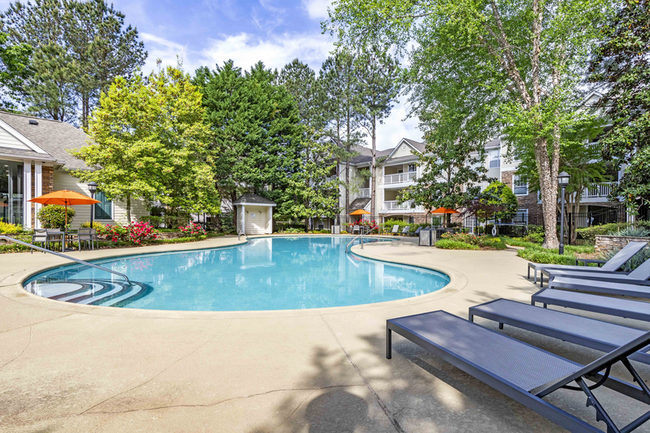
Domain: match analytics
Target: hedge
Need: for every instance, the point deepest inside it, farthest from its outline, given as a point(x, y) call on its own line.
point(447, 244)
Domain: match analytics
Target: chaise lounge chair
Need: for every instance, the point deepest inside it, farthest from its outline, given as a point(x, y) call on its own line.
point(592, 333)
point(417, 231)
point(405, 231)
point(612, 265)
point(594, 303)
point(395, 229)
point(604, 287)
point(640, 275)
point(523, 372)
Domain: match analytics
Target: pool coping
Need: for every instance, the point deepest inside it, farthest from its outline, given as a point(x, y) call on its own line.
point(15, 291)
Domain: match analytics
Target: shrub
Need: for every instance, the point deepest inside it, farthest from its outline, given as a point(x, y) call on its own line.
point(193, 229)
point(492, 243)
point(637, 232)
point(173, 222)
point(589, 233)
point(101, 228)
point(634, 262)
point(10, 229)
point(53, 216)
point(448, 244)
point(134, 232)
point(519, 242)
point(461, 237)
point(546, 256)
point(388, 225)
point(535, 237)
point(292, 230)
point(154, 220)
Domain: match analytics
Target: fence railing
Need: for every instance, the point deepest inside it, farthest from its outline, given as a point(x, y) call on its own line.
point(393, 205)
point(392, 179)
point(599, 191)
point(364, 193)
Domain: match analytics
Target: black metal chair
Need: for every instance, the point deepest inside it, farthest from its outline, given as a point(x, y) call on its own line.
point(87, 235)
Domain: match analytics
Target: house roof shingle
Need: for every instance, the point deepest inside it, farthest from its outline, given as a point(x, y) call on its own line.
point(253, 199)
point(54, 137)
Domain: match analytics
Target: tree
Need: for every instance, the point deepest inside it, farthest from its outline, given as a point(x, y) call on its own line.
point(14, 71)
point(622, 64)
point(338, 87)
point(377, 81)
point(90, 34)
point(496, 202)
point(529, 55)
point(301, 83)
point(151, 143)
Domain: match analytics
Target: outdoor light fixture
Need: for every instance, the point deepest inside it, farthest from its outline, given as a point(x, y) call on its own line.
point(562, 180)
point(92, 188)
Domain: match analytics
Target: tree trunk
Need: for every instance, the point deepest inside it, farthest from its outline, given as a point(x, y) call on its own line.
point(548, 191)
point(128, 207)
point(373, 186)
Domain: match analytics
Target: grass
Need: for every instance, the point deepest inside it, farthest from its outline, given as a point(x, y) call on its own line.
point(538, 254)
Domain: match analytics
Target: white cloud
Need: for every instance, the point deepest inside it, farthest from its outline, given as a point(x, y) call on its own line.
point(275, 51)
point(167, 51)
point(394, 128)
point(317, 9)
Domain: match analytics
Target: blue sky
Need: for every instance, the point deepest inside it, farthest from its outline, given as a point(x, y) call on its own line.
point(207, 32)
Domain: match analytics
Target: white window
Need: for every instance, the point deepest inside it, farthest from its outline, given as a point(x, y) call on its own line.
point(494, 156)
point(519, 187)
point(521, 217)
point(411, 167)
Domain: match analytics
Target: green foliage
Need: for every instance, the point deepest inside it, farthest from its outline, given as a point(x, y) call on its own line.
point(79, 47)
point(637, 232)
point(519, 242)
point(448, 244)
point(155, 221)
point(387, 226)
point(537, 254)
point(53, 216)
point(537, 238)
point(14, 70)
point(97, 226)
point(150, 142)
point(636, 261)
point(589, 233)
point(10, 229)
point(292, 230)
point(497, 201)
point(622, 66)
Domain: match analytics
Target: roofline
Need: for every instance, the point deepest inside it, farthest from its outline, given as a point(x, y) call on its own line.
point(403, 140)
point(254, 204)
point(21, 138)
point(37, 157)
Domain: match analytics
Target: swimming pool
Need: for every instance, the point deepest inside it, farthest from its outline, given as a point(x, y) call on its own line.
point(278, 273)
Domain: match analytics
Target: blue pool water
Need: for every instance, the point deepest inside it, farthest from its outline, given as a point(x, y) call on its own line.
point(278, 273)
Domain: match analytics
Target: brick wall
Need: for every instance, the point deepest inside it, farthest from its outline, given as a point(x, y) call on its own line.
point(48, 180)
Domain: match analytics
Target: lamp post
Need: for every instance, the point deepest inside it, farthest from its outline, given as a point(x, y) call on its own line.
point(92, 188)
point(563, 181)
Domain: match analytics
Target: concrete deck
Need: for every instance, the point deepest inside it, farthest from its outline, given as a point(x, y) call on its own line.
point(77, 368)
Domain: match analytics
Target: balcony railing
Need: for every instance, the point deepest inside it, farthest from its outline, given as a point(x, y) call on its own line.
point(393, 205)
point(393, 179)
point(364, 193)
point(599, 191)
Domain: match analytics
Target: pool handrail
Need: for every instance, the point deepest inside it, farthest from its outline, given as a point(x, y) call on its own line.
point(65, 256)
point(347, 248)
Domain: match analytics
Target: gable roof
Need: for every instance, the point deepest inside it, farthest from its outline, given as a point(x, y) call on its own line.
point(253, 199)
point(52, 136)
point(365, 154)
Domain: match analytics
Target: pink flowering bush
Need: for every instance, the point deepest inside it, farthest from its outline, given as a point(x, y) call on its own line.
point(467, 238)
point(134, 232)
point(193, 229)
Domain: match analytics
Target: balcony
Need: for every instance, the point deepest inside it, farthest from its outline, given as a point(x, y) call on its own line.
point(364, 193)
point(598, 191)
point(394, 205)
point(399, 178)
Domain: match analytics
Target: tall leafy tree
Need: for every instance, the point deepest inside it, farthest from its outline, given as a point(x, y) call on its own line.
point(338, 87)
point(529, 55)
point(301, 83)
point(92, 34)
point(376, 73)
point(14, 71)
point(150, 142)
point(622, 65)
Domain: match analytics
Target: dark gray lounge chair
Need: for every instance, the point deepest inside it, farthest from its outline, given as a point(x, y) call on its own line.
point(594, 303)
point(523, 372)
point(604, 287)
point(596, 334)
point(417, 231)
point(640, 275)
point(612, 265)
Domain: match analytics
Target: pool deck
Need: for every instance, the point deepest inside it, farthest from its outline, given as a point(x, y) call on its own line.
point(75, 368)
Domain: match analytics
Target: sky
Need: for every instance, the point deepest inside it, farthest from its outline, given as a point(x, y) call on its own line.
point(210, 32)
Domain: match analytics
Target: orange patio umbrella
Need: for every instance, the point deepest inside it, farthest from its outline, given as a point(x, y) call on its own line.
point(360, 212)
point(64, 198)
point(444, 210)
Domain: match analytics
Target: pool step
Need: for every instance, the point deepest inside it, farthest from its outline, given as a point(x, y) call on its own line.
point(91, 292)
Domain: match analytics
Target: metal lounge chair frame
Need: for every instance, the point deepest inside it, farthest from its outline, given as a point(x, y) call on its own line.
point(612, 265)
point(640, 275)
point(405, 231)
point(533, 397)
point(605, 287)
point(626, 308)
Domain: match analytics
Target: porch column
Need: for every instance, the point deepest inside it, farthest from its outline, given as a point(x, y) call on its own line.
point(38, 191)
point(27, 194)
point(243, 219)
point(270, 220)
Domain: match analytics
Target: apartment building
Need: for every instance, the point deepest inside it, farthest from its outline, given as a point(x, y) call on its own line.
point(397, 170)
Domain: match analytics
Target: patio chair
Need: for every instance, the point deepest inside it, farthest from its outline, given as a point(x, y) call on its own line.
point(640, 275)
point(417, 231)
point(523, 372)
point(395, 229)
point(87, 235)
point(405, 231)
point(356, 229)
point(612, 265)
point(39, 236)
point(597, 304)
point(54, 236)
point(584, 331)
